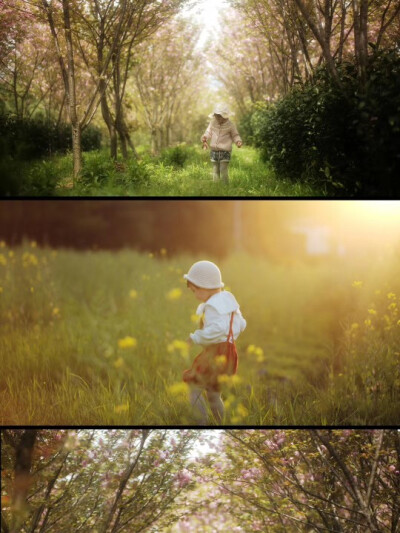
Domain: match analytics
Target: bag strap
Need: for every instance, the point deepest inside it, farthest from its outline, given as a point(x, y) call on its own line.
point(230, 334)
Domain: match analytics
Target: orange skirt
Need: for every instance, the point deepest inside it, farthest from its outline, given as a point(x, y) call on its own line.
point(214, 361)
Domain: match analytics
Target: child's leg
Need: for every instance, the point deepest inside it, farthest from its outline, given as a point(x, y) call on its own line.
point(216, 405)
point(224, 171)
point(215, 170)
point(199, 405)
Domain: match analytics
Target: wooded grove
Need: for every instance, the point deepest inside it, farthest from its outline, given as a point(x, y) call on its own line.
point(190, 480)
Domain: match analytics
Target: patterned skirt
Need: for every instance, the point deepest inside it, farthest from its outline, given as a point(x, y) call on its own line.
point(212, 362)
point(217, 156)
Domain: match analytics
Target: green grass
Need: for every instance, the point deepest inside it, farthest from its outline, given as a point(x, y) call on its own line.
point(63, 313)
point(160, 176)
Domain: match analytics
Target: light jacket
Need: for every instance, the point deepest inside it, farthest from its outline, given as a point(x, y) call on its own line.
point(221, 136)
point(217, 315)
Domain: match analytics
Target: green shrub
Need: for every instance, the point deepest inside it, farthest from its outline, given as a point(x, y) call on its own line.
point(27, 139)
point(246, 126)
point(41, 179)
point(98, 168)
point(175, 156)
point(11, 177)
point(132, 173)
point(91, 139)
point(29, 179)
point(338, 135)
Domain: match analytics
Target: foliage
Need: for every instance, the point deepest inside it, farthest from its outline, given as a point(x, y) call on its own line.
point(186, 481)
point(166, 88)
point(314, 480)
point(27, 139)
point(152, 177)
point(176, 156)
point(302, 361)
point(28, 179)
point(335, 135)
point(106, 481)
point(97, 169)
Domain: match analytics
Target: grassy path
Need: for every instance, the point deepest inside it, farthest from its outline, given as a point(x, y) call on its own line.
point(249, 176)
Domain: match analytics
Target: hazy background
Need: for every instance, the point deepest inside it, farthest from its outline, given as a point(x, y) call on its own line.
point(279, 230)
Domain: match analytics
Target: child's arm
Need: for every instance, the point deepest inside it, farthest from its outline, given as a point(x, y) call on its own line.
point(214, 329)
point(236, 137)
point(206, 137)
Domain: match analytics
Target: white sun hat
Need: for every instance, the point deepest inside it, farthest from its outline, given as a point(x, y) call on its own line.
point(205, 274)
point(221, 109)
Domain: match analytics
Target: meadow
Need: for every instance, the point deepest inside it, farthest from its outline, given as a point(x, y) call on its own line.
point(183, 170)
point(96, 338)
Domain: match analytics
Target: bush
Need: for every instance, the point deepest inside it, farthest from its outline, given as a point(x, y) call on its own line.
point(97, 169)
point(132, 172)
point(27, 139)
point(37, 179)
point(246, 126)
point(338, 135)
point(175, 156)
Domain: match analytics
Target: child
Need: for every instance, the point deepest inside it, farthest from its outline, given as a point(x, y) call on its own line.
point(221, 132)
point(221, 324)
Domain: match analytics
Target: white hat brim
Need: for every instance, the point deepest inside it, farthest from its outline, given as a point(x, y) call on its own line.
point(186, 276)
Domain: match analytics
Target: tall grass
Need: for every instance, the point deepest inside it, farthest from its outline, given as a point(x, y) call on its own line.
point(88, 338)
point(183, 171)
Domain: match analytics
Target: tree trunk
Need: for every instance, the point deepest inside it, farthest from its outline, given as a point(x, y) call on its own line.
point(72, 103)
point(77, 149)
point(105, 111)
point(111, 518)
point(22, 480)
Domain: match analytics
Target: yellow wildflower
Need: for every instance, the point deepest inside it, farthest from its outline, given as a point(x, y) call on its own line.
point(392, 306)
point(56, 311)
point(372, 311)
point(368, 322)
point(229, 381)
point(179, 346)
point(163, 252)
point(354, 326)
point(251, 349)
point(121, 408)
point(29, 259)
point(229, 401)
point(3, 260)
point(178, 389)
point(119, 362)
point(127, 342)
point(220, 360)
point(32, 289)
point(391, 296)
point(195, 318)
point(133, 294)
point(174, 294)
point(242, 411)
point(10, 254)
point(357, 284)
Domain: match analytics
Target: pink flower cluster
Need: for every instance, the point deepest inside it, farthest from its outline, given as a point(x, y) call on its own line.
point(183, 478)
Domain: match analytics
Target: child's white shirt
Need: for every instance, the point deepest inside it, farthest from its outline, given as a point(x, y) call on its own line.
point(217, 316)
